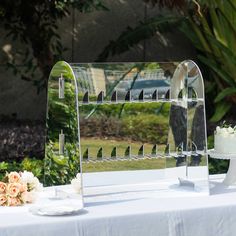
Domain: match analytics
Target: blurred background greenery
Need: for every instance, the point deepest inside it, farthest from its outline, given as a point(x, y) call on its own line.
point(36, 34)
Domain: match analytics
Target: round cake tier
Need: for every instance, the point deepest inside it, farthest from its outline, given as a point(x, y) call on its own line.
point(214, 154)
point(225, 143)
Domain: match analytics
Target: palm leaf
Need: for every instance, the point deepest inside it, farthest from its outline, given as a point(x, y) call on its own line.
point(215, 67)
point(221, 110)
point(132, 36)
point(226, 92)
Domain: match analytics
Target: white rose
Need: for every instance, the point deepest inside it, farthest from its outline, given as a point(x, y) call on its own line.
point(218, 129)
point(76, 183)
point(36, 185)
point(230, 130)
point(31, 181)
point(224, 131)
point(78, 176)
point(26, 177)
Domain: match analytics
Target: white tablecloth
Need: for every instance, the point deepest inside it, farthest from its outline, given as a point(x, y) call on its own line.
point(112, 211)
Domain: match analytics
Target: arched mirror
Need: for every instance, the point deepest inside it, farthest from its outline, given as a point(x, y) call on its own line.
point(187, 138)
point(62, 151)
point(129, 125)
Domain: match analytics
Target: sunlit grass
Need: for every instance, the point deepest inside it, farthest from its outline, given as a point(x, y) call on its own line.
point(146, 164)
point(108, 144)
point(139, 164)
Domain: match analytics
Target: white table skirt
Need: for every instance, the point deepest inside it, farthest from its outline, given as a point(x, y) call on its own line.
point(131, 214)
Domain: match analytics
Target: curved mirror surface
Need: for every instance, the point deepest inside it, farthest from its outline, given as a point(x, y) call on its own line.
point(128, 124)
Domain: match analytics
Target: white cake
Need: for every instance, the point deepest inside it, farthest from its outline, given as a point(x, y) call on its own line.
point(225, 140)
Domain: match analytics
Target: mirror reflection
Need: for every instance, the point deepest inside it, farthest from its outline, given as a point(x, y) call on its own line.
point(122, 124)
point(62, 161)
point(119, 117)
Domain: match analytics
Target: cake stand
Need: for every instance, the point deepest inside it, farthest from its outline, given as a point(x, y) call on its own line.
point(230, 177)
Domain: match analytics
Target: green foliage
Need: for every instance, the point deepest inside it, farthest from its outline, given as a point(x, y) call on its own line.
point(152, 108)
point(214, 35)
point(62, 117)
point(8, 167)
point(3, 168)
point(132, 36)
point(218, 166)
point(177, 4)
point(210, 25)
point(224, 93)
point(30, 164)
point(35, 23)
point(62, 114)
point(128, 109)
point(146, 128)
point(138, 121)
point(60, 169)
point(33, 165)
point(221, 109)
point(126, 165)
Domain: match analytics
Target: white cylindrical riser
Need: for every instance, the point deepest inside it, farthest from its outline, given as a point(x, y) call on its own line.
point(230, 178)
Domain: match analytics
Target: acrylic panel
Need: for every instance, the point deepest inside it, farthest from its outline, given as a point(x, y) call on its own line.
point(62, 155)
point(124, 115)
point(128, 124)
point(187, 143)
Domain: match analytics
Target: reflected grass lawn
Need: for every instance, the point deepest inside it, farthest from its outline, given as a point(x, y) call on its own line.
point(138, 164)
point(108, 144)
point(146, 164)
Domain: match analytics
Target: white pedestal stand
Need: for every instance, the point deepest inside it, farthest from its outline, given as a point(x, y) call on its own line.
point(230, 177)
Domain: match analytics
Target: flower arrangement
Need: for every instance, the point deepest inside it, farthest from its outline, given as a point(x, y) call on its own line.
point(18, 188)
point(225, 129)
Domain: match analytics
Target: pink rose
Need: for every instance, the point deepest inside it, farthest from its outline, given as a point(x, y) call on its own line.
point(27, 197)
point(13, 177)
point(23, 188)
point(13, 189)
point(3, 187)
point(13, 201)
point(3, 199)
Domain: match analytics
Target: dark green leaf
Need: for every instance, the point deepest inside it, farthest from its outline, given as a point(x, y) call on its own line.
point(226, 92)
point(221, 109)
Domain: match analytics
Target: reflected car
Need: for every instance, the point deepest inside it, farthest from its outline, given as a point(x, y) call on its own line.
point(148, 87)
point(122, 88)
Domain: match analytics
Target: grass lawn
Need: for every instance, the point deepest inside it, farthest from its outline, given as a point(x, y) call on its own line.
point(137, 164)
point(108, 144)
point(146, 164)
point(95, 144)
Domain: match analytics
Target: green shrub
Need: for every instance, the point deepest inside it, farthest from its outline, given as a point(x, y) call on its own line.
point(59, 169)
point(33, 165)
point(29, 164)
point(146, 128)
point(144, 108)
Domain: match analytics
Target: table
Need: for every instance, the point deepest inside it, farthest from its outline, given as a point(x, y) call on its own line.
point(128, 214)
